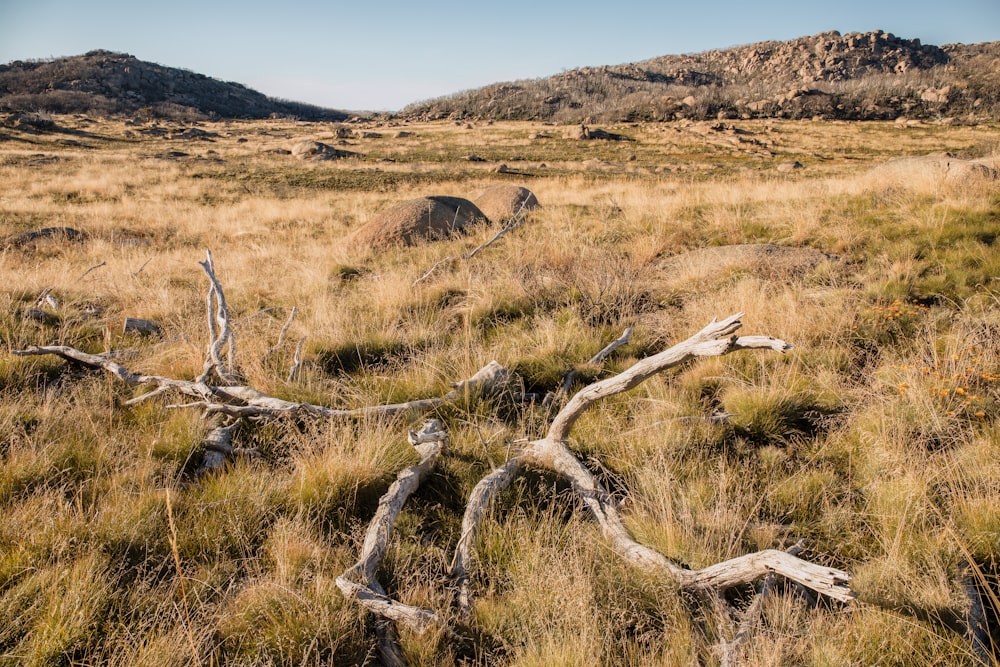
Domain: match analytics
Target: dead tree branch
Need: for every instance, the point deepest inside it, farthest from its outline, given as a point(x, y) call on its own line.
point(551, 452)
point(516, 221)
point(360, 581)
point(729, 650)
point(220, 332)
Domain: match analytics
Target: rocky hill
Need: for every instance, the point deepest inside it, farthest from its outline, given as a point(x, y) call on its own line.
point(873, 75)
point(107, 83)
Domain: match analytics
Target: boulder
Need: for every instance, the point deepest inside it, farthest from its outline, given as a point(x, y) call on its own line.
point(790, 165)
point(418, 220)
point(941, 167)
point(763, 260)
point(315, 150)
point(500, 203)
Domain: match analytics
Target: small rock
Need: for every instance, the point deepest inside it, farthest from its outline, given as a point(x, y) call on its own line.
point(790, 165)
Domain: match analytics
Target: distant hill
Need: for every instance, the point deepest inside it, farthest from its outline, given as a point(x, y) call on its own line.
point(872, 75)
point(108, 83)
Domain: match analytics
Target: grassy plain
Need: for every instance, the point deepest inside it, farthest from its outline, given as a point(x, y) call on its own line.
point(875, 439)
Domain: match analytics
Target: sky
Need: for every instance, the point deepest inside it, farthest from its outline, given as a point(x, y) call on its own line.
point(383, 55)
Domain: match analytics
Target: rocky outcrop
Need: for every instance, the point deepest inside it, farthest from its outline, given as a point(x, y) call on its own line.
point(316, 150)
point(939, 167)
point(873, 75)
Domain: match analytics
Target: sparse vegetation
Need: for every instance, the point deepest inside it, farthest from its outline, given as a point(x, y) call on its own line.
point(874, 440)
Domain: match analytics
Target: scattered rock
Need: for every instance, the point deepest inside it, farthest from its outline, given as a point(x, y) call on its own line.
point(936, 95)
point(502, 169)
point(54, 233)
point(403, 134)
point(193, 133)
point(418, 220)
point(763, 260)
point(315, 150)
point(790, 165)
point(32, 122)
point(141, 327)
point(940, 166)
point(371, 135)
point(475, 158)
point(500, 203)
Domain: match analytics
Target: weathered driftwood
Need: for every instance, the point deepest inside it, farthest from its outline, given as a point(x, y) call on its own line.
point(220, 333)
point(359, 581)
point(234, 401)
point(243, 401)
point(718, 338)
point(296, 360)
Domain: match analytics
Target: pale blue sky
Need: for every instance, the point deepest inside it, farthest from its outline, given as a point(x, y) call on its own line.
point(384, 55)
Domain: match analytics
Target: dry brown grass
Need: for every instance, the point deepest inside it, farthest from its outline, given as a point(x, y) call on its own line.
point(897, 485)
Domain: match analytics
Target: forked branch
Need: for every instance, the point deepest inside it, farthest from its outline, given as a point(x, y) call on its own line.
point(716, 339)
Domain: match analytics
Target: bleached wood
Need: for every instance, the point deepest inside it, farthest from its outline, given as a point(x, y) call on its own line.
point(729, 649)
point(596, 359)
point(359, 581)
point(220, 333)
point(717, 338)
point(714, 340)
point(479, 502)
point(296, 360)
point(611, 347)
point(242, 401)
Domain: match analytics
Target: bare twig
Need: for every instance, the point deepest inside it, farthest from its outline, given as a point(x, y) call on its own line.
point(516, 221)
point(284, 330)
point(95, 266)
point(595, 360)
point(296, 360)
point(141, 267)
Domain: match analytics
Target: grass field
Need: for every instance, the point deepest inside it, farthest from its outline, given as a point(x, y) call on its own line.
point(875, 439)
